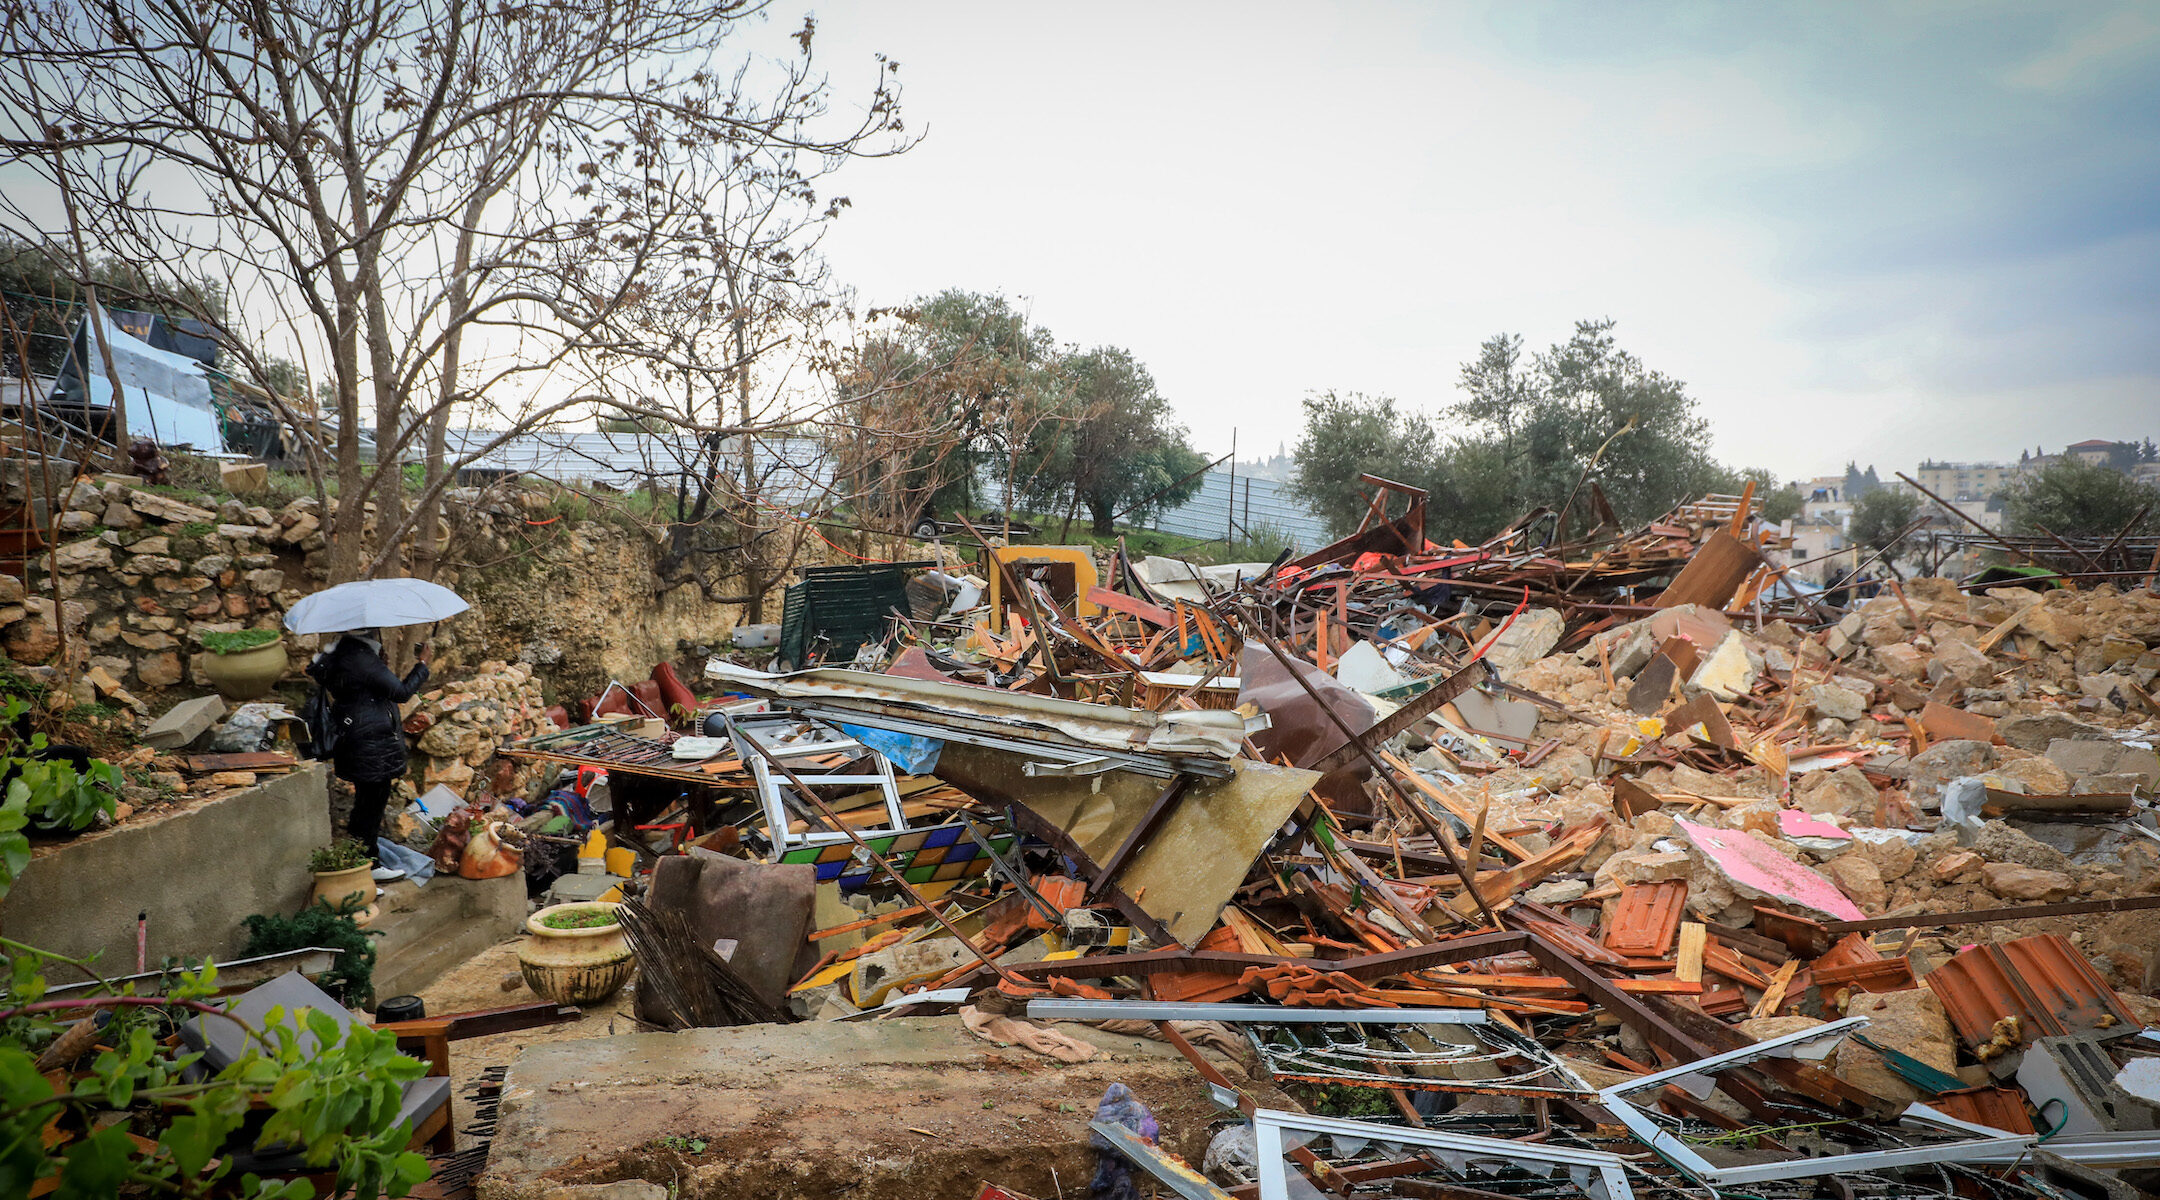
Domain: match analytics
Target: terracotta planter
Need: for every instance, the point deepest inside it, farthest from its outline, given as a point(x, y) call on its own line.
point(335, 888)
point(248, 675)
point(575, 966)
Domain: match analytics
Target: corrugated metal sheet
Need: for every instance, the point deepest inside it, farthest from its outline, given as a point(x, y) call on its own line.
point(1248, 501)
point(793, 472)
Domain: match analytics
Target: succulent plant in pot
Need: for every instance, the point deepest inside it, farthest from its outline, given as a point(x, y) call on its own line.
point(344, 870)
point(244, 664)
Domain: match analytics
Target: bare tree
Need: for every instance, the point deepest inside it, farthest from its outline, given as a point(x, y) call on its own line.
point(450, 213)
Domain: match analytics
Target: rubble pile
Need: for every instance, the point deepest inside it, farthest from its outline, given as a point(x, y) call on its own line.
point(458, 728)
point(1708, 884)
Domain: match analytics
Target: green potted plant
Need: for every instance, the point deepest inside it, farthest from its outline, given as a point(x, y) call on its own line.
point(344, 871)
point(244, 664)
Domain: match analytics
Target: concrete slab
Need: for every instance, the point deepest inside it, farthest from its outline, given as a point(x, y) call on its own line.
point(906, 1109)
point(184, 722)
point(196, 871)
point(427, 930)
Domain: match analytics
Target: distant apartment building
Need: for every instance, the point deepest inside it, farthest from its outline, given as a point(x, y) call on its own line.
point(1823, 499)
point(2093, 452)
point(1966, 481)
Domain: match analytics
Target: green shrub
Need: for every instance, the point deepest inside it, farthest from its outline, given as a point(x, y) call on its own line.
point(341, 855)
point(237, 641)
point(351, 977)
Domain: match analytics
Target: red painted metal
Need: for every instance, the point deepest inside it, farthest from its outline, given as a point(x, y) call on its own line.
point(1646, 921)
point(2041, 980)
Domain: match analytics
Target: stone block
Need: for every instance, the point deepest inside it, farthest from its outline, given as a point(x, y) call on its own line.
point(167, 509)
point(184, 722)
point(1944, 761)
point(1902, 660)
point(2027, 884)
point(2079, 759)
point(1830, 700)
point(244, 479)
point(160, 669)
point(89, 555)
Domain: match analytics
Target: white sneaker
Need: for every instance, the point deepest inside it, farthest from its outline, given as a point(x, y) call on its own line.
point(388, 874)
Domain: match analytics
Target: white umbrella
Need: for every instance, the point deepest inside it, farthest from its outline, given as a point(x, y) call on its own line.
point(374, 604)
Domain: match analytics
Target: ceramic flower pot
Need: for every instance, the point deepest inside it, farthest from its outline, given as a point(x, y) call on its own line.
point(336, 888)
point(249, 674)
point(575, 966)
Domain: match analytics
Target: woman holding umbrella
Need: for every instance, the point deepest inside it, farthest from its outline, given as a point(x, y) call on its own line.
point(369, 752)
point(367, 735)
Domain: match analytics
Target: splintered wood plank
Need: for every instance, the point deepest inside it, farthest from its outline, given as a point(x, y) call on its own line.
point(1688, 959)
point(1774, 995)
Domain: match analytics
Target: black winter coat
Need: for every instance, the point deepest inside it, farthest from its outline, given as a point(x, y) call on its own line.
point(364, 699)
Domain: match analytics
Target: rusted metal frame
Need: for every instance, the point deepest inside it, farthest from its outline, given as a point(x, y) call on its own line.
point(1364, 968)
point(1959, 513)
point(1035, 825)
point(1150, 821)
point(1321, 1172)
point(2064, 543)
point(862, 847)
point(1632, 1012)
point(1418, 858)
point(1989, 916)
point(1380, 768)
point(1416, 709)
point(1375, 1172)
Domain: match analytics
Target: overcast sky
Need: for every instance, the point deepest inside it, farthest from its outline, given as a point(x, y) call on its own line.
point(1866, 231)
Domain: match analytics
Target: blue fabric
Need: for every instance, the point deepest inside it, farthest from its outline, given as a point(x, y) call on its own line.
point(1113, 1174)
point(913, 755)
point(418, 867)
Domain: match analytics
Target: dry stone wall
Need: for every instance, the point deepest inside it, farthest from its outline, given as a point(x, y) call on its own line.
point(143, 574)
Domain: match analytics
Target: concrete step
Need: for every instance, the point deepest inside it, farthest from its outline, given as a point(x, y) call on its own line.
point(428, 930)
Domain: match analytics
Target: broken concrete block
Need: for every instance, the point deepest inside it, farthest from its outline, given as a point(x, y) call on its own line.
point(1843, 792)
point(2034, 733)
point(1959, 661)
point(1727, 673)
point(1902, 660)
point(2079, 759)
point(1533, 635)
point(1911, 1022)
point(1830, 700)
point(2040, 776)
point(1955, 864)
point(1934, 767)
point(2056, 630)
point(2073, 1078)
point(184, 722)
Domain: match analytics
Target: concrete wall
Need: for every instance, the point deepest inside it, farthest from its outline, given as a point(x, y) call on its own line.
point(196, 871)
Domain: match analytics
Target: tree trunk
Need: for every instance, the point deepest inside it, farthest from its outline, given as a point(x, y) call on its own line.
point(1105, 526)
